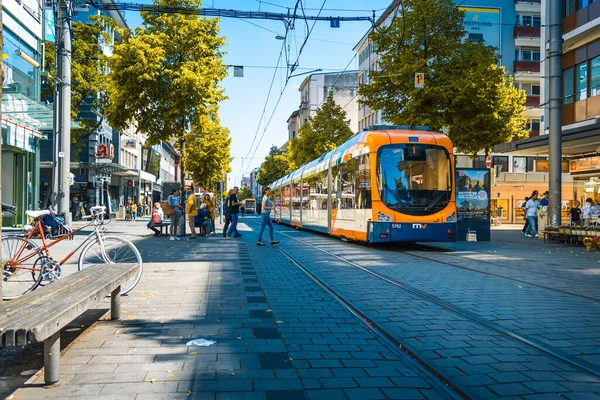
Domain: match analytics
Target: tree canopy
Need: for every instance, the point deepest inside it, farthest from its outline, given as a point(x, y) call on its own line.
point(166, 74)
point(274, 167)
point(88, 73)
point(325, 131)
point(244, 193)
point(207, 152)
point(465, 89)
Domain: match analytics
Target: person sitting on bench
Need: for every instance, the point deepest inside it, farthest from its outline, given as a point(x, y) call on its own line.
point(202, 220)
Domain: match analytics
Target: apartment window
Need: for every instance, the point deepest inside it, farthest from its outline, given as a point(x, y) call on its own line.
point(529, 20)
point(581, 75)
point(595, 76)
point(529, 54)
point(535, 125)
point(568, 86)
point(519, 164)
point(531, 89)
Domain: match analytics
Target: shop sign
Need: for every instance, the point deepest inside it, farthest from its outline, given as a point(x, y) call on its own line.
point(584, 164)
point(105, 151)
point(129, 144)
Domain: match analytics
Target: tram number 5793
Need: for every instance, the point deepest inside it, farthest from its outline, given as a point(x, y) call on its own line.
point(396, 226)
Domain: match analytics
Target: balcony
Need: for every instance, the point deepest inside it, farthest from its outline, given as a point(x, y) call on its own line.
point(526, 66)
point(532, 101)
point(527, 31)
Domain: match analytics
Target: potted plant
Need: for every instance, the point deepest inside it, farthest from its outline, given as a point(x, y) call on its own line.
point(589, 243)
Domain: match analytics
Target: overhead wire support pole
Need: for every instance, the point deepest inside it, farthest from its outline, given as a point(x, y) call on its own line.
point(64, 159)
point(555, 136)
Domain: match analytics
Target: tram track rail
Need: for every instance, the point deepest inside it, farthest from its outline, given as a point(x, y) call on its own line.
point(550, 351)
point(529, 283)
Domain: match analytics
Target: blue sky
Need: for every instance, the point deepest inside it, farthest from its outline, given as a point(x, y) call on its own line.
point(249, 45)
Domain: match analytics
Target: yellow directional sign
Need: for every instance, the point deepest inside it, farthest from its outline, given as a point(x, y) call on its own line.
point(419, 80)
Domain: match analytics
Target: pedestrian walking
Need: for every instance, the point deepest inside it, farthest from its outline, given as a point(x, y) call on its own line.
point(531, 212)
point(155, 219)
point(191, 209)
point(234, 211)
point(265, 216)
point(545, 202)
point(132, 210)
point(586, 210)
point(227, 214)
point(575, 213)
point(175, 203)
point(210, 210)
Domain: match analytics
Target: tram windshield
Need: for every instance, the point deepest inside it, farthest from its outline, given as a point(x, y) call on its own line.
point(414, 179)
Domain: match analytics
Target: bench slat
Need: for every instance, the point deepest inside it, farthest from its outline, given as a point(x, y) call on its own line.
point(36, 322)
point(42, 301)
point(63, 290)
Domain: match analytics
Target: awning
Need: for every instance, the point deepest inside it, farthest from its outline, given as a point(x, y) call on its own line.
point(22, 110)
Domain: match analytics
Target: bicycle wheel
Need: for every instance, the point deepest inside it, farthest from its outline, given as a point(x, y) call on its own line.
point(20, 278)
point(112, 250)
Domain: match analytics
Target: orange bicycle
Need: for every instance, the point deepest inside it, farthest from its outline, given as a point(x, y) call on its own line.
point(25, 265)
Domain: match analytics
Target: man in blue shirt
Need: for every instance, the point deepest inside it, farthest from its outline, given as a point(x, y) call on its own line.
point(544, 201)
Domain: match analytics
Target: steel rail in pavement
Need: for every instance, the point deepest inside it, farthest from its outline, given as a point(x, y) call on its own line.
point(540, 346)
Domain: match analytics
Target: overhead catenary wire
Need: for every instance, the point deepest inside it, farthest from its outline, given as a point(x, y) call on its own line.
point(264, 107)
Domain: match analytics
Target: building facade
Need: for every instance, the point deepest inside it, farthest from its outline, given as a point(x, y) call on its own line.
point(581, 103)
point(24, 118)
point(315, 89)
point(512, 26)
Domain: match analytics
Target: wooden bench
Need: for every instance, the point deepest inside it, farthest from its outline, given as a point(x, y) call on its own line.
point(40, 315)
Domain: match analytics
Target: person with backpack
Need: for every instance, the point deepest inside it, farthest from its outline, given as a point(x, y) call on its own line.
point(175, 203)
point(155, 219)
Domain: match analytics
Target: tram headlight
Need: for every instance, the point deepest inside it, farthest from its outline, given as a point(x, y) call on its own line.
point(451, 218)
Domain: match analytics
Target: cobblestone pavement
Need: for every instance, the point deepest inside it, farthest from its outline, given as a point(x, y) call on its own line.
point(489, 363)
point(279, 336)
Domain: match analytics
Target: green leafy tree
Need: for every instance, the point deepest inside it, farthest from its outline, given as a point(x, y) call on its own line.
point(465, 89)
point(244, 193)
point(325, 131)
point(207, 153)
point(274, 167)
point(166, 75)
point(88, 74)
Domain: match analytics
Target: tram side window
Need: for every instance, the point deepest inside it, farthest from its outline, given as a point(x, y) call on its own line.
point(344, 186)
point(363, 182)
point(307, 188)
point(296, 195)
point(323, 184)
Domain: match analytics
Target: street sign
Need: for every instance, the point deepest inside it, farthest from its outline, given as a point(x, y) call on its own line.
point(419, 80)
point(488, 161)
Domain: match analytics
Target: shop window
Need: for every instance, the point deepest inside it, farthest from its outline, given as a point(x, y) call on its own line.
point(581, 75)
point(479, 162)
point(595, 76)
point(568, 86)
point(500, 163)
point(519, 164)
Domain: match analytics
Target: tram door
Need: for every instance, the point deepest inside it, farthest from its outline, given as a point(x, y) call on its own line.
point(343, 201)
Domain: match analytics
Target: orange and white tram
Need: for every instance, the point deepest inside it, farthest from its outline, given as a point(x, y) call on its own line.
point(388, 184)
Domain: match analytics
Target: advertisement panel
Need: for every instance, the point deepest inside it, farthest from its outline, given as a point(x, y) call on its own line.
point(484, 25)
point(584, 164)
point(473, 194)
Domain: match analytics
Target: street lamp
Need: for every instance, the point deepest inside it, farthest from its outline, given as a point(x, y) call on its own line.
point(280, 37)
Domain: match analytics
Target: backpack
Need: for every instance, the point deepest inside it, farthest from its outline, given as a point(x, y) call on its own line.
point(167, 209)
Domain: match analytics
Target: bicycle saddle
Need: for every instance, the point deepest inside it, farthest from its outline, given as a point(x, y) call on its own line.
point(37, 214)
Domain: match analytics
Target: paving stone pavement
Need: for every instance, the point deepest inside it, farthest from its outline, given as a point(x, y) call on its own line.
point(278, 335)
point(488, 363)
